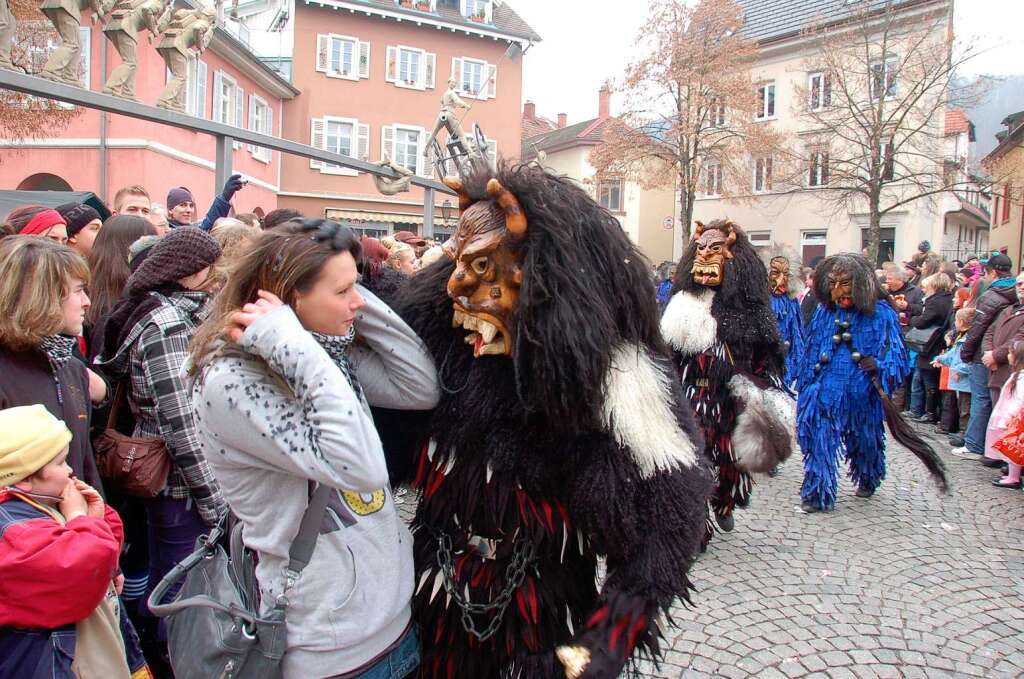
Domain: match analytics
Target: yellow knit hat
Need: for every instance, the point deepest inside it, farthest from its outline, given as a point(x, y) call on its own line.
point(30, 437)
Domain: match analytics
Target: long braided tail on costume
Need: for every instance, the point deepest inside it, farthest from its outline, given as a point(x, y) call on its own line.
point(910, 439)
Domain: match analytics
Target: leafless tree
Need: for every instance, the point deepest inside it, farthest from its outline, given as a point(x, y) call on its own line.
point(872, 111)
point(690, 104)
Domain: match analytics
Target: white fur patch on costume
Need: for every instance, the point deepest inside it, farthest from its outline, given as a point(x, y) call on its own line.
point(637, 410)
point(765, 433)
point(687, 323)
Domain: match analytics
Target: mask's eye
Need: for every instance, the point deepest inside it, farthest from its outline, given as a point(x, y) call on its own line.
point(479, 266)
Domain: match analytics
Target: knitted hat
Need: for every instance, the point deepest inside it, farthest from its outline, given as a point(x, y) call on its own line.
point(42, 223)
point(30, 437)
point(924, 246)
point(177, 196)
point(182, 252)
point(77, 216)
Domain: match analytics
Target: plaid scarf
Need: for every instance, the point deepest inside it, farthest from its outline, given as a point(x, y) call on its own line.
point(337, 347)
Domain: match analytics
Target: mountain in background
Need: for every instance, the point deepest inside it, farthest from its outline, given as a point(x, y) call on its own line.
point(1006, 96)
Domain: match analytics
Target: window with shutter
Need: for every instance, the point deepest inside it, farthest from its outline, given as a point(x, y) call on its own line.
point(201, 73)
point(340, 136)
point(387, 141)
point(430, 66)
point(766, 101)
point(218, 96)
point(473, 82)
point(252, 125)
point(85, 40)
point(409, 67)
point(391, 67)
point(364, 59)
point(819, 90)
point(316, 140)
point(239, 116)
point(322, 47)
point(408, 150)
point(492, 81)
point(364, 141)
point(457, 74)
point(763, 175)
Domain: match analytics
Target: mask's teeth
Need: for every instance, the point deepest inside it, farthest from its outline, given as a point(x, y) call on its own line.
point(458, 318)
point(496, 349)
point(470, 323)
point(487, 330)
point(471, 338)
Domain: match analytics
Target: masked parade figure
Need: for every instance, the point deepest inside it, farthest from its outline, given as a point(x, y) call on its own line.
point(787, 313)
point(726, 343)
point(854, 359)
point(560, 437)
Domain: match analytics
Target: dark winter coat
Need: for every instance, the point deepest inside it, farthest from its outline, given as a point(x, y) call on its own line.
point(989, 305)
point(26, 378)
point(1007, 329)
point(807, 306)
point(935, 315)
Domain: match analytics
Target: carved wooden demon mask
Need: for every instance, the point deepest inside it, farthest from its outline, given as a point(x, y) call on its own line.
point(714, 248)
point(488, 267)
point(778, 275)
point(840, 283)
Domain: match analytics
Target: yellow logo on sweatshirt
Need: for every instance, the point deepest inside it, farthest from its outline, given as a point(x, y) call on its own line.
point(363, 505)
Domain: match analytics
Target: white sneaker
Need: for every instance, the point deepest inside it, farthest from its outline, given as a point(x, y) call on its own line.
point(964, 454)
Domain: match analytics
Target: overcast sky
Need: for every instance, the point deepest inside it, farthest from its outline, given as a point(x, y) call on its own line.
point(586, 42)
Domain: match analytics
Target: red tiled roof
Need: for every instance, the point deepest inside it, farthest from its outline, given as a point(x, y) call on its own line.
point(586, 133)
point(957, 122)
point(531, 127)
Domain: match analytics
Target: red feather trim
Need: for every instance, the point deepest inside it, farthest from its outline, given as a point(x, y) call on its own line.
point(618, 630)
point(597, 617)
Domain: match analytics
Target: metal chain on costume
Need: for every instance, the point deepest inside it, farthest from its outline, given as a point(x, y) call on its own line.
point(515, 573)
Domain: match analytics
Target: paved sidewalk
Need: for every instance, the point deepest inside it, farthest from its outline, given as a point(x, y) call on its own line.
point(904, 584)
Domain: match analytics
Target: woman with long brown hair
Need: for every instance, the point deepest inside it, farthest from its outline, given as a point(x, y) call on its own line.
point(43, 303)
point(108, 264)
point(285, 370)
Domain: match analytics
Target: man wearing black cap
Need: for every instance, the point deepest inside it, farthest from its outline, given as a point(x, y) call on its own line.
point(181, 207)
point(83, 224)
point(999, 295)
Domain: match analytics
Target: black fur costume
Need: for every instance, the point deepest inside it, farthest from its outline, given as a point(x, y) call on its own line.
point(528, 450)
point(717, 334)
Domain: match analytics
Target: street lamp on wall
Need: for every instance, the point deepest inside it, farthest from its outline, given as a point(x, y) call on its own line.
point(446, 212)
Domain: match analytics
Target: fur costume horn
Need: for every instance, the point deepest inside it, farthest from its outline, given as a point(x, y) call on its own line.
point(515, 220)
point(455, 184)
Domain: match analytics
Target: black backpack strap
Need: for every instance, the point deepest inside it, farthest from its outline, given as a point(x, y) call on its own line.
point(305, 541)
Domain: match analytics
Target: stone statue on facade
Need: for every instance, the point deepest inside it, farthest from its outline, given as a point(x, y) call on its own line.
point(63, 65)
point(399, 184)
point(8, 26)
point(448, 118)
point(186, 34)
point(127, 19)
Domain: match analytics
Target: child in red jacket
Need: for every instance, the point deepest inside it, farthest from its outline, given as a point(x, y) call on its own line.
point(59, 545)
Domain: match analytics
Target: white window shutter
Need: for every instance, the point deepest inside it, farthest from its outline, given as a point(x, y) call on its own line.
point(201, 88)
point(269, 124)
point(316, 140)
point(364, 59)
point(457, 73)
point(239, 112)
point(391, 73)
point(430, 67)
point(420, 159)
point(85, 40)
point(387, 141)
point(492, 81)
point(218, 87)
point(362, 146)
point(252, 120)
point(323, 45)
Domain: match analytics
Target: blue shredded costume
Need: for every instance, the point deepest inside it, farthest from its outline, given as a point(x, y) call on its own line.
point(787, 312)
point(839, 412)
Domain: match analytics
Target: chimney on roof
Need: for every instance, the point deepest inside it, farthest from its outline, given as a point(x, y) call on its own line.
point(563, 120)
point(604, 101)
point(529, 110)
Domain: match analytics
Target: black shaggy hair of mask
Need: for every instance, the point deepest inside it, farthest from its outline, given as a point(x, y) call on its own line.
point(866, 288)
point(742, 302)
point(586, 290)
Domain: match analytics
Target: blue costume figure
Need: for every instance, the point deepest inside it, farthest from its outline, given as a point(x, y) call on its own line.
point(787, 313)
point(854, 353)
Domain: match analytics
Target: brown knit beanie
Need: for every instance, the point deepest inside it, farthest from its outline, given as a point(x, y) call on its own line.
point(182, 252)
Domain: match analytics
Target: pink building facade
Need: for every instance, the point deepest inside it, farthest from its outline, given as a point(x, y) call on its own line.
point(228, 83)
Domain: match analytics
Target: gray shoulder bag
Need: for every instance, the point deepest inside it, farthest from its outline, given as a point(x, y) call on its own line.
point(214, 627)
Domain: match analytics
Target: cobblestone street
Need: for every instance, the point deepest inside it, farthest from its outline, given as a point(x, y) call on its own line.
point(904, 584)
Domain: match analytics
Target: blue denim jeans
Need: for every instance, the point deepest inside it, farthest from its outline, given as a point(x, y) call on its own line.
point(917, 394)
point(981, 409)
point(174, 526)
point(400, 663)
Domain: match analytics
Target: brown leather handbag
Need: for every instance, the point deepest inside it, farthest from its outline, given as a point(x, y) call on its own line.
point(134, 466)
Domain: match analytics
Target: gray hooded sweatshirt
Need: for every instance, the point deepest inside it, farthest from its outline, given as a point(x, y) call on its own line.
point(279, 414)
